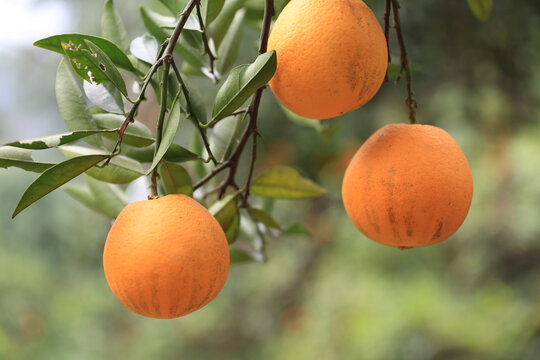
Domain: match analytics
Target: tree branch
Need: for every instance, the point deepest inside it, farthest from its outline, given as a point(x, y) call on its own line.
point(405, 66)
point(207, 49)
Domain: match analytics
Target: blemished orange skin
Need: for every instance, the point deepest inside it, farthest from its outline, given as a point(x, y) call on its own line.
point(166, 258)
point(331, 57)
point(408, 186)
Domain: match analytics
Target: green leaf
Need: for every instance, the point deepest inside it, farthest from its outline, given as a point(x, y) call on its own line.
point(233, 230)
point(225, 210)
point(297, 229)
point(110, 199)
point(82, 194)
point(106, 96)
point(264, 217)
point(175, 6)
point(158, 25)
point(54, 43)
point(238, 256)
point(72, 104)
point(101, 197)
point(285, 182)
point(224, 136)
point(168, 134)
point(175, 179)
point(121, 169)
point(103, 64)
point(175, 153)
point(242, 82)
point(210, 9)
point(47, 142)
point(112, 26)
point(55, 177)
point(21, 158)
point(221, 25)
point(481, 8)
point(197, 101)
point(228, 50)
point(145, 47)
point(136, 134)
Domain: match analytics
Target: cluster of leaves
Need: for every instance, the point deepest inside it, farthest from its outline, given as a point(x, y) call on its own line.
point(111, 148)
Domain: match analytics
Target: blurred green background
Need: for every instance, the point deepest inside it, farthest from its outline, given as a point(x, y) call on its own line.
point(338, 295)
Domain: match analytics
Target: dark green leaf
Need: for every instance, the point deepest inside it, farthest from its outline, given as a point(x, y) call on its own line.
point(102, 62)
point(285, 182)
point(72, 104)
point(175, 178)
point(145, 47)
point(228, 50)
point(481, 8)
point(112, 26)
point(55, 177)
point(121, 170)
point(242, 82)
point(136, 134)
point(264, 217)
point(175, 153)
point(21, 158)
point(106, 96)
point(54, 43)
point(210, 10)
point(47, 142)
point(233, 230)
point(225, 210)
point(168, 134)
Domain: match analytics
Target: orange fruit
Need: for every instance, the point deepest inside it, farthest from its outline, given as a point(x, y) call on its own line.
point(408, 186)
point(165, 258)
point(331, 57)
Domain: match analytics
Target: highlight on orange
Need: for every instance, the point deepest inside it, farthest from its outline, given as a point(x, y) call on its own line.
point(408, 186)
point(166, 257)
point(331, 57)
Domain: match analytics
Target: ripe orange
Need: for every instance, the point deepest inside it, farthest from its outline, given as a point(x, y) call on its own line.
point(166, 257)
point(331, 57)
point(408, 186)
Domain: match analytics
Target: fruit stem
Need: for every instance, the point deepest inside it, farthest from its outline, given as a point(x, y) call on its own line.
point(405, 66)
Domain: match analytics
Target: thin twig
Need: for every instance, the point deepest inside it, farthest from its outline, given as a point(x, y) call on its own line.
point(179, 27)
point(387, 10)
point(214, 172)
point(192, 115)
point(405, 66)
point(207, 49)
point(161, 121)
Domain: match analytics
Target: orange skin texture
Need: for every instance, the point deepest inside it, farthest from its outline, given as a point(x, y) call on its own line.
point(331, 57)
point(408, 186)
point(166, 258)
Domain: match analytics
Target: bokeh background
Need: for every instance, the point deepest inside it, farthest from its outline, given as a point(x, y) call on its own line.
point(337, 295)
